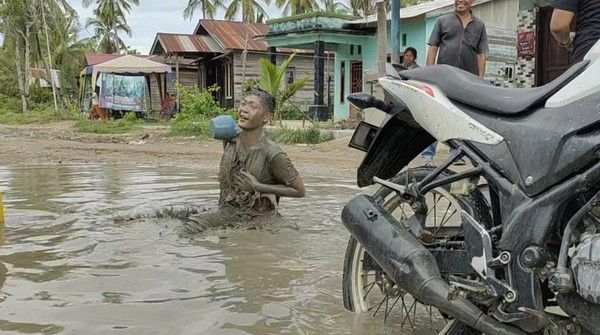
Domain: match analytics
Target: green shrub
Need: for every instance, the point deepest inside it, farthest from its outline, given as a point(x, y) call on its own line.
point(197, 108)
point(291, 113)
point(41, 95)
point(9, 104)
point(311, 135)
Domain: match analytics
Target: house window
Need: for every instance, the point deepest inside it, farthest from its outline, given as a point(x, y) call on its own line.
point(289, 75)
point(360, 49)
point(228, 80)
point(404, 40)
point(509, 72)
point(352, 49)
point(342, 81)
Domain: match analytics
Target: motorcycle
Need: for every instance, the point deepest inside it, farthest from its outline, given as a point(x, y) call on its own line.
point(509, 245)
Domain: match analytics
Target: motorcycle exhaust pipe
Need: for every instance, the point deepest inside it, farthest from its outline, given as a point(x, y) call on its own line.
point(410, 264)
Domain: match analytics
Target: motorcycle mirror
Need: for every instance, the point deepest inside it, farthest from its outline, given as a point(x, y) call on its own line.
point(365, 100)
point(362, 100)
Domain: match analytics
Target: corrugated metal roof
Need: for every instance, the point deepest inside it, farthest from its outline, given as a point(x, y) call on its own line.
point(93, 59)
point(234, 35)
point(185, 43)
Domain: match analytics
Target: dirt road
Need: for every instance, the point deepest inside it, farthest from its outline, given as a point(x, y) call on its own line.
point(57, 143)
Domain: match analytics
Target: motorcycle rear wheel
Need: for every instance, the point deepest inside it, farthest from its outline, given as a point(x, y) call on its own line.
point(367, 289)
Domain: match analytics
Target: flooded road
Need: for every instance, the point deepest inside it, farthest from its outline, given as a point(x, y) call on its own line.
point(67, 267)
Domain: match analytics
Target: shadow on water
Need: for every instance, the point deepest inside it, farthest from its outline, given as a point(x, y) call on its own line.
point(66, 265)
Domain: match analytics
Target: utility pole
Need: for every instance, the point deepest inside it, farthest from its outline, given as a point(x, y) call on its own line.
point(381, 37)
point(396, 31)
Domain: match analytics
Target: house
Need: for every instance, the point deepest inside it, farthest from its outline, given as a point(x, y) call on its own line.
point(188, 70)
point(354, 41)
point(226, 54)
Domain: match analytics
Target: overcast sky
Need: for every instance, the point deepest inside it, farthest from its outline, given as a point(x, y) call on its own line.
point(151, 17)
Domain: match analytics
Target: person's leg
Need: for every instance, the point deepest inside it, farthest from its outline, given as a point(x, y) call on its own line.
point(428, 153)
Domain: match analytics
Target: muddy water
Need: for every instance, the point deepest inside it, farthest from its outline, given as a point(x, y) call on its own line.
point(66, 265)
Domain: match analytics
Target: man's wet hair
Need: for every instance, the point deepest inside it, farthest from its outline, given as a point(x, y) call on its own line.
point(265, 98)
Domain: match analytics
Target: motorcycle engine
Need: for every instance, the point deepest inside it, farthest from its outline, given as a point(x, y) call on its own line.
point(585, 265)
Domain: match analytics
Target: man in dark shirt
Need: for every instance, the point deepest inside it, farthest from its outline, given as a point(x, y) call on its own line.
point(458, 39)
point(587, 14)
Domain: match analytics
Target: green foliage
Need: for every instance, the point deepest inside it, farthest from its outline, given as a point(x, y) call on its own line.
point(311, 135)
point(291, 113)
point(10, 112)
point(197, 108)
point(40, 95)
point(250, 84)
point(127, 124)
point(272, 80)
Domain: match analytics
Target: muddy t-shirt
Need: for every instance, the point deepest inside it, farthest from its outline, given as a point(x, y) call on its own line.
point(587, 14)
point(459, 46)
point(267, 162)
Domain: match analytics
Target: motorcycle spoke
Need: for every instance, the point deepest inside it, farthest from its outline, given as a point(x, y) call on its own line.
point(443, 223)
point(368, 291)
point(407, 315)
point(446, 212)
point(434, 203)
point(391, 308)
point(380, 304)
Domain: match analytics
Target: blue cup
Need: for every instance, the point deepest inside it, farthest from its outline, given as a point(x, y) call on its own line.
point(223, 127)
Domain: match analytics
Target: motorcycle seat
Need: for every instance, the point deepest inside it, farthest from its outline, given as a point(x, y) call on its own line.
point(473, 91)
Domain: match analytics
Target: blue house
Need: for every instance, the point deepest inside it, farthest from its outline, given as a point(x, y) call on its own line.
point(354, 43)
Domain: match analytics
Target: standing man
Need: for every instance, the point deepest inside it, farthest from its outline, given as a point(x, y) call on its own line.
point(587, 15)
point(458, 39)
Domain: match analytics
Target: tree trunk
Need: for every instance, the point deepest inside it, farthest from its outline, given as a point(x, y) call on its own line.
point(20, 78)
point(27, 60)
point(49, 64)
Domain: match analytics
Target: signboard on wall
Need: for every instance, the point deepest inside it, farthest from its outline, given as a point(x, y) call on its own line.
point(526, 44)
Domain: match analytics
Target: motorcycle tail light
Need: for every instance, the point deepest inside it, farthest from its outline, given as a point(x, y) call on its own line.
point(424, 88)
point(428, 90)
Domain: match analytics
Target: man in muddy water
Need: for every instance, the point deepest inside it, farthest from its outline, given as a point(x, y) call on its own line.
point(254, 172)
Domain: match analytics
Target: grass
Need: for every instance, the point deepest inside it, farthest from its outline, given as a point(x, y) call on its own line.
point(189, 125)
point(311, 135)
point(127, 124)
point(10, 112)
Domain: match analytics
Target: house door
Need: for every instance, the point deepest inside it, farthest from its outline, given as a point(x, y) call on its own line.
point(553, 60)
point(356, 77)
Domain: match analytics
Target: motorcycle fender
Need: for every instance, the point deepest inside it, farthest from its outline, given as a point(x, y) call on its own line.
point(396, 143)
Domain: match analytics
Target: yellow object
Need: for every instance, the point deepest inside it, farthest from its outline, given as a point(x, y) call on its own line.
point(1, 211)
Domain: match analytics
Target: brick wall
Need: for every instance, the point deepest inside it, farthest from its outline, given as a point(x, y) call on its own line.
point(525, 67)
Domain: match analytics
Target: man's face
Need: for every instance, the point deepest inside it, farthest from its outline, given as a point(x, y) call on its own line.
point(462, 6)
point(252, 114)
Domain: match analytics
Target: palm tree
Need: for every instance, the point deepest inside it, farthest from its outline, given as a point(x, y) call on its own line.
point(271, 79)
point(295, 7)
point(113, 7)
point(362, 7)
point(107, 31)
point(251, 10)
point(331, 6)
point(109, 20)
point(209, 8)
